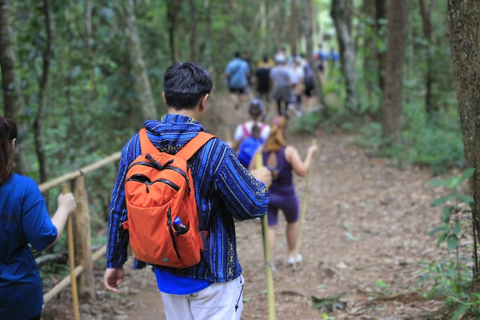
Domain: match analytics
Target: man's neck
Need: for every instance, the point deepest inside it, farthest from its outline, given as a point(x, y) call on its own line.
point(185, 112)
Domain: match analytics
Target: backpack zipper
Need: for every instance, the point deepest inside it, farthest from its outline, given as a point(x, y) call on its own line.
point(143, 179)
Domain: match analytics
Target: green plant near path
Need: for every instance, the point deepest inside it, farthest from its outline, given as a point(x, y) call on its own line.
point(452, 278)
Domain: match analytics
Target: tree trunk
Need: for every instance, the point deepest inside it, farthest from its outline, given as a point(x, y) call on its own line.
point(172, 11)
point(464, 28)
point(428, 33)
point(380, 17)
point(42, 97)
point(193, 30)
point(7, 62)
point(142, 83)
point(370, 48)
point(293, 34)
point(392, 108)
point(347, 52)
point(307, 33)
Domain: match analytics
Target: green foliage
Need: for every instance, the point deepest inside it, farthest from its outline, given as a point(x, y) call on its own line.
point(330, 303)
point(307, 122)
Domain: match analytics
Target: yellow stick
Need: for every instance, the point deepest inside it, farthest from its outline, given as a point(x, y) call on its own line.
point(266, 250)
point(71, 263)
point(304, 210)
point(228, 135)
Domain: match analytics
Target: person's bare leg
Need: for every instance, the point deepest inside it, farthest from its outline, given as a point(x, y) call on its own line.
point(234, 99)
point(292, 237)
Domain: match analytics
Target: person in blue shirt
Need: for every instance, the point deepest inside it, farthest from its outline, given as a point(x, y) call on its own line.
point(24, 220)
point(224, 191)
point(237, 73)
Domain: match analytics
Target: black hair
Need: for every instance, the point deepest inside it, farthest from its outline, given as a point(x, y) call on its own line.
point(8, 132)
point(237, 54)
point(265, 59)
point(185, 83)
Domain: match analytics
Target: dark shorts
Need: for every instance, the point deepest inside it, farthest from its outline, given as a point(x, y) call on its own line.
point(238, 90)
point(288, 205)
point(282, 94)
point(309, 91)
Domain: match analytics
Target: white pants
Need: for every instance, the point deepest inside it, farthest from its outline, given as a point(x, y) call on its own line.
point(219, 301)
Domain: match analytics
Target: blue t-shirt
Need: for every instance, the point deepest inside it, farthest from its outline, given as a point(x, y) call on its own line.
point(23, 219)
point(237, 70)
point(169, 283)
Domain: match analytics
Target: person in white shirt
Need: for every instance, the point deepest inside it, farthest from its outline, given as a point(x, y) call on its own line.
point(244, 130)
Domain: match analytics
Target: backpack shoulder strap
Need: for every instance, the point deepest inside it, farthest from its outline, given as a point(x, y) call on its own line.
point(146, 145)
point(193, 145)
point(246, 134)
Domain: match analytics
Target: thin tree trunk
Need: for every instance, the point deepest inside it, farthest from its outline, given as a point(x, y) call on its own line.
point(293, 27)
point(464, 28)
point(307, 31)
point(142, 83)
point(380, 17)
point(88, 20)
point(347, 52)
point(42, 97)
point(205, 47)
point(370, 48)
point(7, 62)
point(392, 108)
point(10, 84)
point(172, 10)
point(193, 30)
point(428, 33)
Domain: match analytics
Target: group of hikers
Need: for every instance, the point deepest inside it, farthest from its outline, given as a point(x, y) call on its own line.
point(224, 188)
point(286, 79)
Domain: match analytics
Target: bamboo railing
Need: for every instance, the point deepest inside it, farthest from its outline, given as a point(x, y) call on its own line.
point(80, 231)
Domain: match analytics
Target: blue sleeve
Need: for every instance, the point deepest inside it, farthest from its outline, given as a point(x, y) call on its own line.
point(117, 242)
point(228, 69)
point(37, 225)
point(244, 196)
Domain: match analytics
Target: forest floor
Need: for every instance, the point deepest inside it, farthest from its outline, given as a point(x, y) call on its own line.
point(365, 237)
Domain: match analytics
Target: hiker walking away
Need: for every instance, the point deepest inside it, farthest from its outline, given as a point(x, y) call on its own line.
point(236, 72)
point(223, 189)
point(308, 80)
point(24, 220)
point(283, 159)
point(280, 82)
point(244, 130)
point(262, 79)
point(298, 85)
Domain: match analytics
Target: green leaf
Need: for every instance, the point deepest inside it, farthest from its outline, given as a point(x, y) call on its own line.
point(436, 230)
point(442, 200)
point(465, 175)
point(441, 239)
point(467, 199)
point(452, 242)
point(439, 183)
point(460, 311)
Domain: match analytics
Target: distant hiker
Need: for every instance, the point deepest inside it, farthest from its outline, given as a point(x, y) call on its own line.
point(237, 72)
point(24, 220)
point(244, 130)
point(308, 80)
point(283, 159)
point(224, 192)
point(298, 85)
point(280, 82)
point(262, 80)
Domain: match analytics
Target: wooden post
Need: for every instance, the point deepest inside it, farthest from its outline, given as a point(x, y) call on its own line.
point(83, 257)
point(71, 263)
point(266, 250)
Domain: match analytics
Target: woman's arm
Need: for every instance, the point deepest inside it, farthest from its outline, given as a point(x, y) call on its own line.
point(300, 167)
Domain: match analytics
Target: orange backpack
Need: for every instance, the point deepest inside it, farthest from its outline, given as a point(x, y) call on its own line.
point(158, 189)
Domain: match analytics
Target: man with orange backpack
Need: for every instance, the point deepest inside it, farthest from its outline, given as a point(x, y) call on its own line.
point(174, 159)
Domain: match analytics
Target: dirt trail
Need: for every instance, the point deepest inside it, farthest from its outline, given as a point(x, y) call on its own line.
point(366, 230)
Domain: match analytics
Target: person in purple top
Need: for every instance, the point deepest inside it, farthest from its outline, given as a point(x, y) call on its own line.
point(283, 160)
point(24, 220)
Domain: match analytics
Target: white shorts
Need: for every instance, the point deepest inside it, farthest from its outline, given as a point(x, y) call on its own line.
point(219, 301)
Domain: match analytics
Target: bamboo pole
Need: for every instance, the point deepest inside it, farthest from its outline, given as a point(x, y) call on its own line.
point(304, 210)
point(266, 250)
point(67, 280)
point(228, 136)
point(71, 262)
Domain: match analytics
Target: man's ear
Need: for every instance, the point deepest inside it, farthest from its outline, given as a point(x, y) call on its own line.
point(203, 102)
point(163, 96)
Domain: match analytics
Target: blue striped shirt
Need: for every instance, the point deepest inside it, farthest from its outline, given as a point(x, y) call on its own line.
point(224, 191)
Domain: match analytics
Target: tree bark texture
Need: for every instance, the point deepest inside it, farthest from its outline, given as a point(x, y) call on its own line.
point(347, 52)
point(392, 107)
point(464, 26)
point(293, 34)
point(142, 83)
point(42, 97)
point(307, 30)
point(381, 15)
point(370, 48)
point(173, 6)
point(193, 30)
point(7, 63)
point(428, 34)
